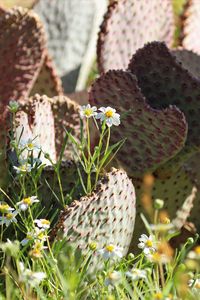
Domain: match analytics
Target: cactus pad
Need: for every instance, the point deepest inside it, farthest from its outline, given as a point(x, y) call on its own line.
point(179, 194)
point(191, 26)
point(47, 83)
point(128, 25)
point(69, 25)
point(189, 60)
point(21, 53)
point(53, 115)
point(164, 82)
point(147, 130)
point(107, 216)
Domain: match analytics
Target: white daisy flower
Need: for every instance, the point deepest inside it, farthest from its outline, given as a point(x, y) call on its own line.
point(42, 223)
point(25, 168)
point(194, 284)
point(109, 115)
point(110, 251)
point(136, 274)
point(8, 218)
point(147, 244)
point(195, 253)
point(30, 145)
point(28, 276)
point(5, 208)
point(37, 234)
point(88, 111)
point(113, 278)
point(26, 202)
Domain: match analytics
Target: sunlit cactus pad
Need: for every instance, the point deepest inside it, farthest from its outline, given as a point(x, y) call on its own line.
point(21, 53)
point(153, 135)
point(54, 116)
point(106, 216)
point(128, 25)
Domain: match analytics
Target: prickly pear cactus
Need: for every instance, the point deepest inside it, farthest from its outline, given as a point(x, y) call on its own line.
point(69, 26)
point(163, 81)
point(53, 116)
point(22, 47)
point(21, 53)
point(128, 25)
point(106, 216)
point(47, 83)
point(191, 26)
point(153, 135)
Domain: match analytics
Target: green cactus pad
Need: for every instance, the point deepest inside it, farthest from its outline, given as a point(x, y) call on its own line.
point(153, 136)
point(106, 216)
point(47, 83)
point(164, 82)
point(53, 116)
point(21, 53)
point(179, 195)
point(69, 26)
point(191, 26)
point(128, 25)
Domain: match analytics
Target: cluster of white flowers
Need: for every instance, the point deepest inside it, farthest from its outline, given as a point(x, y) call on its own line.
point(107, 114)
point(28, 148)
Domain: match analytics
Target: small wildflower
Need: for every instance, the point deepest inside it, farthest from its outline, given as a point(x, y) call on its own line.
point(13, 106)
point(25, 168)
point(8, 218)
point(110, 251)
point(136, 274)
point(109, 115)
point(88, 111)
point(5, 208)
point(28, 276)
point(113, 278)
point(30, 145)
point(195, 253)
point(36, 251)
point(42, 223)
point(194, 284)
point(147, 244)
point(158, 296)
point(28, 238)
point(26, 202)
point(162, 255)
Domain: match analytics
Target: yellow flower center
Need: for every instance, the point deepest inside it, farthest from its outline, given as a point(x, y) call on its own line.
point(166, 220)
point(27, 201)
point(4, 207)
point(88, 112)
point(109, 113)
point(9, 216)
point(41, 235)
point(156, 257)
point(197, 250)
point(45, 222)
point(36, 252)
point(149, 243)
point(22, 168)
point(110, 248)
point(30, 145)
point(158, 296)
point(29, 237)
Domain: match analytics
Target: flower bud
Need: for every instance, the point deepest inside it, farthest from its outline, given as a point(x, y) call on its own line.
point(158, 204)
